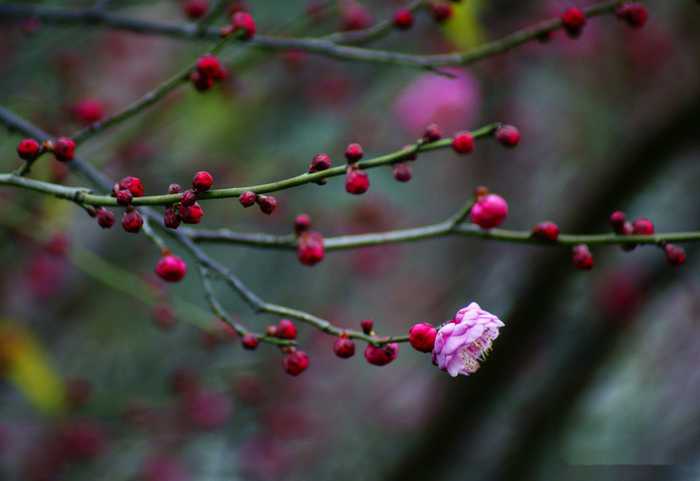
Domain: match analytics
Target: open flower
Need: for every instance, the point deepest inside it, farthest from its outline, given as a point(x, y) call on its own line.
point(466, 340)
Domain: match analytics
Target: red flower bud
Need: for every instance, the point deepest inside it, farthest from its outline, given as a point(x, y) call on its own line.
point(320, 162)
point(188, 198)
point(191, 214)
point(548, 231)
point(302, 223)
point(295, 362)
point(383, 355)
point(463, 143)
point(353, 152)
point(403, 19)
point(344, 347)
point(133, 184)
point(634, 14)
point(267, 203)
point(643, 226)
point(508, 135)
point(132, 221)
point(617, 221)
point(582, 257)
point(195, 9)
point(675, 255)
point(489, 211)
point(124, 197)
point(64, 149)
point(286, 329)
point(249, 341)
point(88, 111)
point(247, 198)
point(171, 218)
point(171, 268)
point(573, 20)
point(310, 249)
point(356, 181)
point(432, 133)
point(402, 171)
point(243, 25)
point(422, 337)
point(28, 149)
point(202, 181)
point(105, 218)
point(441, 11)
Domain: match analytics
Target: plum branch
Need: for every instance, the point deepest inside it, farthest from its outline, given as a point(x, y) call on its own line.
point(258, 305)
point(83, 195)
point(431, 231)
point(322, 46)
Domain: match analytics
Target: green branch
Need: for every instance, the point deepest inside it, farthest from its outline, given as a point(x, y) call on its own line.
point(84, 196)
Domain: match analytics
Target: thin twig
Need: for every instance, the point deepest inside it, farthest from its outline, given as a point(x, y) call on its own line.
point(155, 238)
point(378, 30)
point(145, 101)
point(220, 312)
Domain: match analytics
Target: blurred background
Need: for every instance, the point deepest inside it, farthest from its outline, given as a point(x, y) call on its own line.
point(595, 375)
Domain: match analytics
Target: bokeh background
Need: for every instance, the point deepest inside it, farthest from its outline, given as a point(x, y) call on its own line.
point(595, 375)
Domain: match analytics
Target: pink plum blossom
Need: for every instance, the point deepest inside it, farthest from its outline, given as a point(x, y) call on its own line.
point(463, 342)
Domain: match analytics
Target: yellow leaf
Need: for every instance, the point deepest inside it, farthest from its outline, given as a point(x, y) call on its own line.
point(463, 27)
point(29, 368)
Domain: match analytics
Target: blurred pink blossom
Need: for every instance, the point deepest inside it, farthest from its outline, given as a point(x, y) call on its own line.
point(452, 103)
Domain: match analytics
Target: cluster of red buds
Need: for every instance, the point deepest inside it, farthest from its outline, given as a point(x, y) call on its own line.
point(125, 191)
point(675, 255)
point(188, 209)
point(207, 72)
point(63, 149)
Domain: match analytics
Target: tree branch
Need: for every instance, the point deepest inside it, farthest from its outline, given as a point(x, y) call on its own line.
point(321, 46)
point(431, 231)
point(306, 178)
